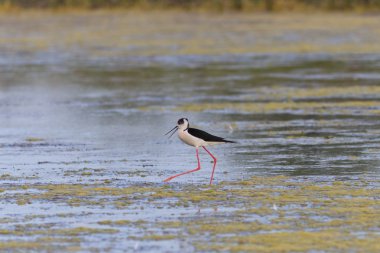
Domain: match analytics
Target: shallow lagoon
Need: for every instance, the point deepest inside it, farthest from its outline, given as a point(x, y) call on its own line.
point(83, 154)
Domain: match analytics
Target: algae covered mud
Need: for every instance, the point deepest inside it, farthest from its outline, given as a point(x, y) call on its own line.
point(83, 156)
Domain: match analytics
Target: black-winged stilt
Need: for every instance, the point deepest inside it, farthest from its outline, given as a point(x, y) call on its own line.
point(196, 138)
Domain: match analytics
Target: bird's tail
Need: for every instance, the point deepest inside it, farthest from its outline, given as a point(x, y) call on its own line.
point(227, 141)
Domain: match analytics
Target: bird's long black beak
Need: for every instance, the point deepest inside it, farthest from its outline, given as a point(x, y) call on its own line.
point(173, 131)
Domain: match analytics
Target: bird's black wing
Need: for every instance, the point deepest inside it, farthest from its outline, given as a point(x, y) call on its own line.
point(206, 136)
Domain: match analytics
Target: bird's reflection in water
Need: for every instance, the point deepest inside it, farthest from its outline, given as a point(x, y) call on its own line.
point(215, 209)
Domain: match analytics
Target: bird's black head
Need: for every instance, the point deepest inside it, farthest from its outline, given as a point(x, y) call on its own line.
point(183, 123)
point(182, 120)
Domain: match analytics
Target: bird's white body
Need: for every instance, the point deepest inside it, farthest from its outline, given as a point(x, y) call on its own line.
point(191, 140)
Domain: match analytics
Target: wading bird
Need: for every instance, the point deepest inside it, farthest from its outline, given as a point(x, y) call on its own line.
point(196, 138)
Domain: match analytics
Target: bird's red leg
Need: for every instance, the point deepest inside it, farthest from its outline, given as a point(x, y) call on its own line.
point(213, 168)
point(186, 172)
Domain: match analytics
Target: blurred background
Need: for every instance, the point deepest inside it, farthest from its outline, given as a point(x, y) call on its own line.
point(214, 5)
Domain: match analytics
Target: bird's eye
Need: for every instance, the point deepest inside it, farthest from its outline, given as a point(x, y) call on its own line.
point(180, 121)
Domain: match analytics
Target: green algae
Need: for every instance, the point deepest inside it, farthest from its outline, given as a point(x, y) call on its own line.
point(20, 245)
point(34, 139)
point(42, 244)
point(82, 231)
point(301, 241)
point(159, 237)
point(261, 214)
point(257, 107)
point(115, 223)
point(47, 230)
point(86, 173)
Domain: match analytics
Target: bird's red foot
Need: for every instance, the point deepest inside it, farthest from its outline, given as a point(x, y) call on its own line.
point(168, 179)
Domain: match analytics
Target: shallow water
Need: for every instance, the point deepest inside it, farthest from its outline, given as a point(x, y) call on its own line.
point(310, 115)
point(71, 121)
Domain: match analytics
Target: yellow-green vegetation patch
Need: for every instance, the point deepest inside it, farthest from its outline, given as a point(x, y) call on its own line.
point(260, 214)
point(328, 91)
point(42, 244)
point(115, 222)
point(22, 245)
point(171, 224)
point(260, 107)
point(83, 231)
point(7, 176)
point(159, 237)
point(134, 173)
point(299, 241)
point(22, 201)
point(34, 139)
point(85, 172)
